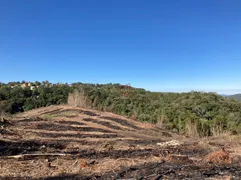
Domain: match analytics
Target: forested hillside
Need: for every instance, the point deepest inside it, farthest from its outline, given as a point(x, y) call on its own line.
point(18, 99)
point(235, 97)
point(193, 113)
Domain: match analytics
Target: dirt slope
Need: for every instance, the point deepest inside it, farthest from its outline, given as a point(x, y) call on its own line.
point(76, 143)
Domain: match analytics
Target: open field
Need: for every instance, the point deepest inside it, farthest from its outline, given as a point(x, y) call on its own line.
point(64, 142)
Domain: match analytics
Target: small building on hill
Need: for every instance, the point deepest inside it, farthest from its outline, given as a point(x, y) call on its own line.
point(24, 85)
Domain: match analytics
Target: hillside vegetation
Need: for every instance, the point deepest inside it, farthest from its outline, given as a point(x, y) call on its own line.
point(235, 97)
point(18, 99)
point(195, 114)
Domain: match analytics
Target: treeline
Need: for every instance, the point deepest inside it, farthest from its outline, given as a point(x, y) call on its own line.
point(18, 99)
point(194, 114)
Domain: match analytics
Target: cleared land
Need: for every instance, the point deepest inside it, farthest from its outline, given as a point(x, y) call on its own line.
point(64, 142)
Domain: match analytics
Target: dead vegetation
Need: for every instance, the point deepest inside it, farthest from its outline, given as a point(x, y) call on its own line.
point(218, 157)
point(65, 142)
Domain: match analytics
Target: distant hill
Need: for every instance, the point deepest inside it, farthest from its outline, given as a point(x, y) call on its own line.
point(236, 97)
point(224, 95)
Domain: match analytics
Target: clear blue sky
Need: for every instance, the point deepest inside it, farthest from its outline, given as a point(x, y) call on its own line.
point(160, 45)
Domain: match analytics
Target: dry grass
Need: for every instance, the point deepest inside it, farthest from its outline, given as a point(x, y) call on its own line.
point(218, 157)
point(129, 142)
point(30, 131)
point(107, 165)
point(226, 177)
point(42, 168)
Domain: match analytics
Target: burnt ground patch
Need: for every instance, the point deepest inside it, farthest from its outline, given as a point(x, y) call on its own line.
point(77, 111)
point(64, 113)
point(26, 121)
point(89, 113)
point(8, 148)
point(58, 127)
point(192, 150)
point(55, 135)
point(59, 177)
point(142, 142)
point(41, 120)
point(175, 171)
point(107, 124)
point(122, 122)
point(70, 177)
point(25, 147)
point(130, 153)
point(80, 142)
point(71, 116)
point(6, 132)
point(52, 112)
point(154, 171)
point(67, 122)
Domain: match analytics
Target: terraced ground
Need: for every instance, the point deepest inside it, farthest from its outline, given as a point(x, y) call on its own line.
point(64, 142)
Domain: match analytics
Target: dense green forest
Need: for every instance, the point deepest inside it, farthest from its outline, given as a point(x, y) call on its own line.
point(18, 99)
point(194, 114)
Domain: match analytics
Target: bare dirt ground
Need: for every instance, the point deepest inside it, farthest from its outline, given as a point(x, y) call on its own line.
point(64, 142)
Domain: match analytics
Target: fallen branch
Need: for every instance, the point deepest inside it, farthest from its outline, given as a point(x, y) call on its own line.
point(30, 156)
